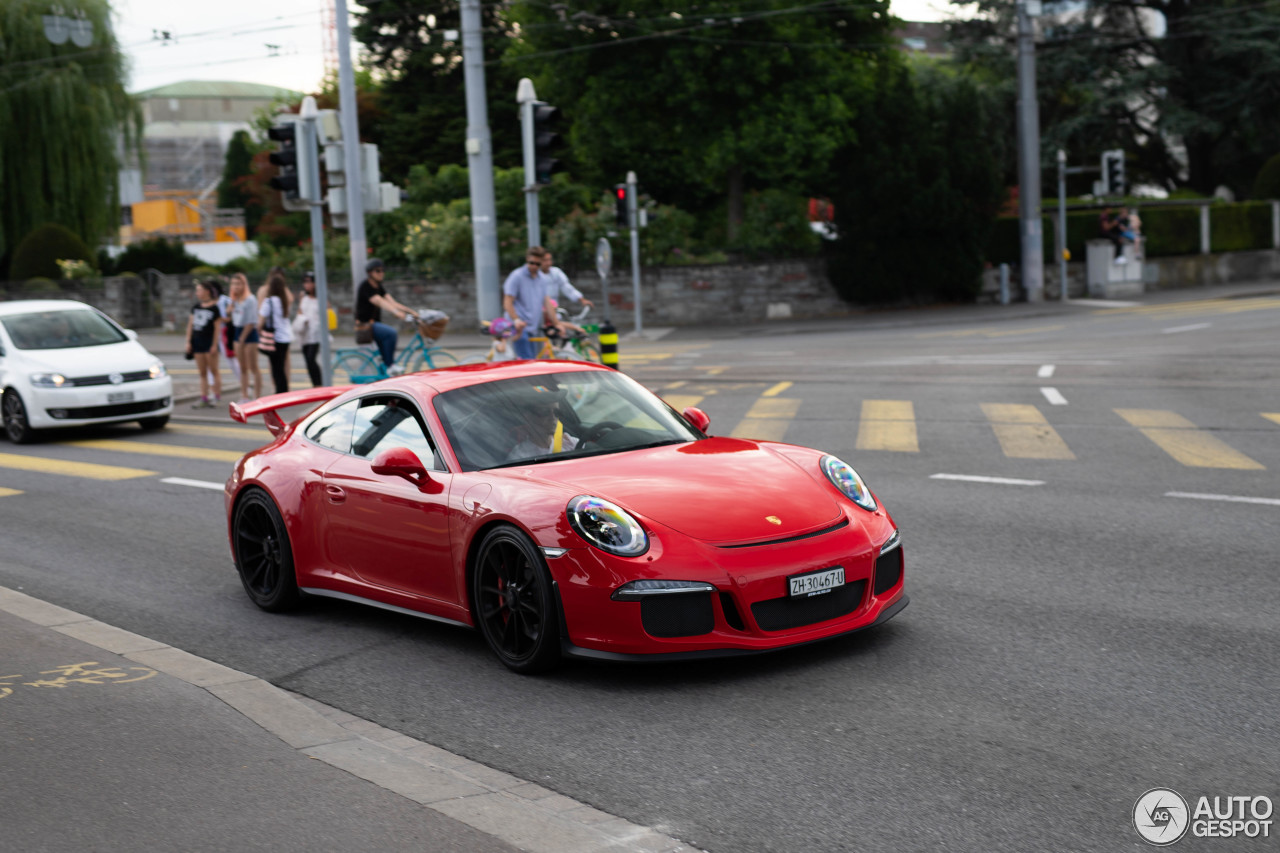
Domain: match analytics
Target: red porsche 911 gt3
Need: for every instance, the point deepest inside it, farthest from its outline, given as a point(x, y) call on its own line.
point(563, 510)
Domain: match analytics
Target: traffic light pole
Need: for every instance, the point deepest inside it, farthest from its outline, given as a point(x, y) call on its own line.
point(317, 236)
point(484, 221)
point(525, 97)
point(633, 219)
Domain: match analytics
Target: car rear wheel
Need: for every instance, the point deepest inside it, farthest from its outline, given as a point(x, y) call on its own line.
point(16, 425)
point(515, 606)
point(263, 556)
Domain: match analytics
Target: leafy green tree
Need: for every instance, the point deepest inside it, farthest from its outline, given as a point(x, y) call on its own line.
point(916, 198)
point(235, 188)
point(63, 111)
point(421, 117)
point(38, 254)
point(704, 104)
point(1188, 90)
point(1267, 184)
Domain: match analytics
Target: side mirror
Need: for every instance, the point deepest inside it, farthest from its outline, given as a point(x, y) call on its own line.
point(401, 462)
point(697, 418)
point(131, 334)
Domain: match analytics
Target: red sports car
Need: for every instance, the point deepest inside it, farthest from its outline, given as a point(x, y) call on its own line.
point(563, 510)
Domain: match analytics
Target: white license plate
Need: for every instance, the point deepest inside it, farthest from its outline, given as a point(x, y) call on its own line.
point(817, 583)
point(120, 397)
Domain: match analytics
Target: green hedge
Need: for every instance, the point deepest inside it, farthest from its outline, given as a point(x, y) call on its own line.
point(1239, 227)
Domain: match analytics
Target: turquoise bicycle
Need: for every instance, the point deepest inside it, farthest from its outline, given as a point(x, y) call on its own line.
point(359, 365)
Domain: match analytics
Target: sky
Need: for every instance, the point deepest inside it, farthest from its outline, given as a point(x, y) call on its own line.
point(276, 42)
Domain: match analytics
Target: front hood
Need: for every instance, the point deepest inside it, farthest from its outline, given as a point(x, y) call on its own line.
point(715, 490)
point(124, 357)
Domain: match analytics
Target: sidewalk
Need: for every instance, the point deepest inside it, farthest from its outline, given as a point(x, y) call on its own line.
point(115, 742)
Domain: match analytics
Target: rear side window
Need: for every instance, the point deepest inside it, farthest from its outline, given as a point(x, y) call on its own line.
point(385, 422)
point(333, 428)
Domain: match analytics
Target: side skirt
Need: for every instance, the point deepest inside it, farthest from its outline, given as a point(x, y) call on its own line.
point(355, 599)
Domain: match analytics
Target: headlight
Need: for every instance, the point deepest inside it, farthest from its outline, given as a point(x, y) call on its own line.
point(844, 478)
point(157, 370)
point(607, 526)
point(49, 380)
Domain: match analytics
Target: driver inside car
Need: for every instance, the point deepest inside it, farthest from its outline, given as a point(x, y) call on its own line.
point(541, 431)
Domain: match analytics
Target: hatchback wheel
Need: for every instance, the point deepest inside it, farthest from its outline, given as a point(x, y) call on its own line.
point(16, 425)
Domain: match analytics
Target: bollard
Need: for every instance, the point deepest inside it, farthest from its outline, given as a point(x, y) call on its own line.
point(609, 345)
point(1004, 284)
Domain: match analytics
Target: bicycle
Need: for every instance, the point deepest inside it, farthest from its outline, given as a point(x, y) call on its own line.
point(364, 363)
point(576, 346)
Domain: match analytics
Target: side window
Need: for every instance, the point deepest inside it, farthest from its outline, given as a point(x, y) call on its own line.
point(385, 422)
point(333, 428)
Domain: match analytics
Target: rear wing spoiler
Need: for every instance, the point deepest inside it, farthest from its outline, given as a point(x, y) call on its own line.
point(268, 406)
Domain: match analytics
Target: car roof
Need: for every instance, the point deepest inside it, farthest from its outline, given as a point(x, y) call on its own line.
point(448, 378)
point(30, 306)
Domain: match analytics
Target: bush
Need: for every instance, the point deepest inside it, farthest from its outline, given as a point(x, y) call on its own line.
point(37, 255)
point(1267, 184)
point(1239, 227)
point(167, 256)
point(775, 224)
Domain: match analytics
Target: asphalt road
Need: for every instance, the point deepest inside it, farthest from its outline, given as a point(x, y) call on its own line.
point(1075, 637)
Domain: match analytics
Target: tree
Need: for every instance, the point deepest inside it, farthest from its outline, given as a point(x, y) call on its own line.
point(1191, 91)
point(917, 195)
point(233, 189)
point(38, 254)
point(706, 104)
point(422, 116)
point(63, 113)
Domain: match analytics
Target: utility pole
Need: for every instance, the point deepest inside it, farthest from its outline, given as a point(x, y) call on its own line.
point(1029, 155)
point(1062, 222)
point(484, 221)
point(633, 219)
point(312, 162)
point(350, 146)
point(526, 97)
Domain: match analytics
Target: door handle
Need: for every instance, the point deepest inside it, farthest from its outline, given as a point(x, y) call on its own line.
point(336, 494)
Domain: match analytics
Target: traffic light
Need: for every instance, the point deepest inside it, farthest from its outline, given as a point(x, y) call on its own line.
point(1113, 180)
point(545, 141)
point(621, 206)
point(294, 177)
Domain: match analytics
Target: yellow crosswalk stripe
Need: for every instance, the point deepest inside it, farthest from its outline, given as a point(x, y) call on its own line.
point(207, 454)
point(888, 425)
point(1272, 416)
point(680, 402)
point(776, 389)
point(7, 493)
point(1024, 433)
point(768, 419)
point(1186, 442)
point(67, 468)
point(255, 434)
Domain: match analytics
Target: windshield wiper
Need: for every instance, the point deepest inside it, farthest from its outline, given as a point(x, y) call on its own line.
point(660, 443)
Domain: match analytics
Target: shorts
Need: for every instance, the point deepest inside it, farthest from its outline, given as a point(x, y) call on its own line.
point(201, 343)
point(251, 338)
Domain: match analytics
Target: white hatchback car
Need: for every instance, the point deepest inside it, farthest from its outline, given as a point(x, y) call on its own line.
point(64, 363)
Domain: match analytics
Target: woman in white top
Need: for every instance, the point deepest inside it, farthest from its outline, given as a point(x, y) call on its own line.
point(308, 327)
point(273, 316)
point(244, 337)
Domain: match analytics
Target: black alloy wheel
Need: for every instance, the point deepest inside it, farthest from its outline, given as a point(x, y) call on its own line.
point(16, 425)
point(263, 555)
point(515, 606)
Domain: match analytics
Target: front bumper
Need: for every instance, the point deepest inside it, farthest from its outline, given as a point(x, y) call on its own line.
point(74, 406)
point(748, 609)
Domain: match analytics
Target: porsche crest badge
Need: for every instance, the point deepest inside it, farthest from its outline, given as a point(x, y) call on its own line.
point(773, 519)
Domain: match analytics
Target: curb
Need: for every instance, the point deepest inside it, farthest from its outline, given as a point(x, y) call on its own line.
point(503, 806)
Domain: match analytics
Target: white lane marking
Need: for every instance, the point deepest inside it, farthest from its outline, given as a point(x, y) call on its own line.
point(1103, 303)
point(1000, 481)
point(1173, 330)
point(1195, 496)
point(198, 484)
point(1046, 370)
point(1054, 396)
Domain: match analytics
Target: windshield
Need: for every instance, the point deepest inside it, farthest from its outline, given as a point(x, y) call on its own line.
point(555, 416)
point(61, 329)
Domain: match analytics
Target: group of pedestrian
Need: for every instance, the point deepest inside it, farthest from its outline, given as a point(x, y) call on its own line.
point(1122, 227)
point(242, 324)
point(529, 297)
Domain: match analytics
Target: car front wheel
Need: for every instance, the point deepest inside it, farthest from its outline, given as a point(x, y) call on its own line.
point(16, 425)
point(515, 606)
point(263, 556)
